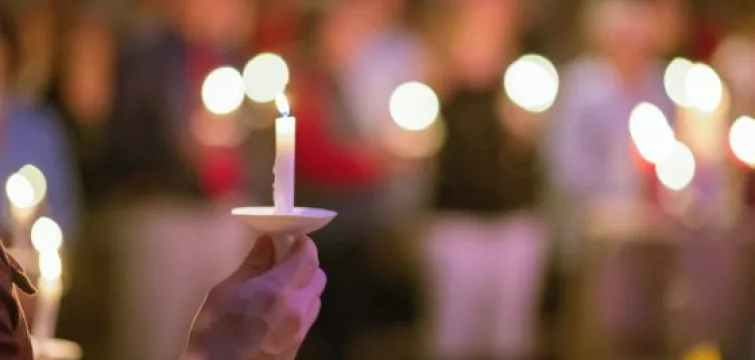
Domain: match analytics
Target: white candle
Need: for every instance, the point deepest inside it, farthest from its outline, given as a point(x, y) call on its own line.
point(47, 239)
point(50, 291)
point(285, 146)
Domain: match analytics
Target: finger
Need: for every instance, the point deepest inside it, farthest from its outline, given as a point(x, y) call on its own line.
point(260, 259)
point(291, 332)
point(297, 269)
point(293, 316)
point(310, 318)
point(298, 340)
point(314, 289)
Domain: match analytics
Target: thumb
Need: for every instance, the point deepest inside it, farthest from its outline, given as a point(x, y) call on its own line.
point(259, 260)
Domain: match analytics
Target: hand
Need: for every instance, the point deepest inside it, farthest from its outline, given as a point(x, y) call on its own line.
point(264, 310)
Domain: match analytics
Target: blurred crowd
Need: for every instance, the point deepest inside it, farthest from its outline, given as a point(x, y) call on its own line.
point(497, 227)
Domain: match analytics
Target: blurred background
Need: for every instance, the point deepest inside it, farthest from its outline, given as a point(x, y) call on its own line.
point(515, 180)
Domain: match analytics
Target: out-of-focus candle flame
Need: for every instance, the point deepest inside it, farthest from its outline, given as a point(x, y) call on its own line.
point(532, 82)
point(50, 266)
point(265, 76)
point(675, 79)
point(704, 352)
point(37, 180)
point(414, 106)
point(703, 88)
point(20, 191)
point(223, 91)
point(651, 132)
point(677, 170)
point(742, 140)
point(284, 107)
point(46, 235)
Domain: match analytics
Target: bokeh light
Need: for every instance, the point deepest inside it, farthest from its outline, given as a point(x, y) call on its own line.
point(703, 352)
point(223, 91)
point(46, 235)
point(742, 140)
point(651, 132)
point(414, 106)
point(37, 180)
point(675, 79)
point(677, 170)
point(532, 83)
point(20, 191)
point(50, 266)
point(703, 88)
point(265, 76)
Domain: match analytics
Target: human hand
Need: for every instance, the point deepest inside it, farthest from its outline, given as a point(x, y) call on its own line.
point(264, 310)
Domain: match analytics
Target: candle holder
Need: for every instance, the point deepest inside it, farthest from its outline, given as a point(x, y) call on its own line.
point(283, 227)
point(55, 349)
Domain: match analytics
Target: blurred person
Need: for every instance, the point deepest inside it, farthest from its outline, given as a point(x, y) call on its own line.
point(175, 174)
point(81, 90)
point(37, 42)
point(601, 185)
point(31, 134)
point(342, 111)
point(487, 245)
point(262, 311)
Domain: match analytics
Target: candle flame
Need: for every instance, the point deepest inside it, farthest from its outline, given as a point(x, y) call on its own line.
point(37, 180)
point(46, 235)
point(20, 191)
point(50, 266)
point(281, 102)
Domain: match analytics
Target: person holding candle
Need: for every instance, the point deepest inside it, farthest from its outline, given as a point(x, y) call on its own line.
point(176, 182)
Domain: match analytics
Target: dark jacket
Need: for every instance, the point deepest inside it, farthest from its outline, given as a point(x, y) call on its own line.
point(15, 343)
point(149, 134)
point(480, 168)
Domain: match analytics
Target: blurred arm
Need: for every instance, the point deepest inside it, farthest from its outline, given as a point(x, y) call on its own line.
point(572, 158)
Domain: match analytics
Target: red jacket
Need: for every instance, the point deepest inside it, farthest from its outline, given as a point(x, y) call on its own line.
point(320, 158)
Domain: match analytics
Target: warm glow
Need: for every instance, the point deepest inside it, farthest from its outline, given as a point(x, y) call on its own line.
point(265, 76)
point(703, 88)
point(281, 102)
point(532, 83)
point(742, 140)
point(20, 191)
point(50, 266)
point(414, 106)
point(677, 170)
point(37, 180)
point(46, 235)
point(704, 352)
point(675, 79)
point(223, 91)
point(651, 133)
